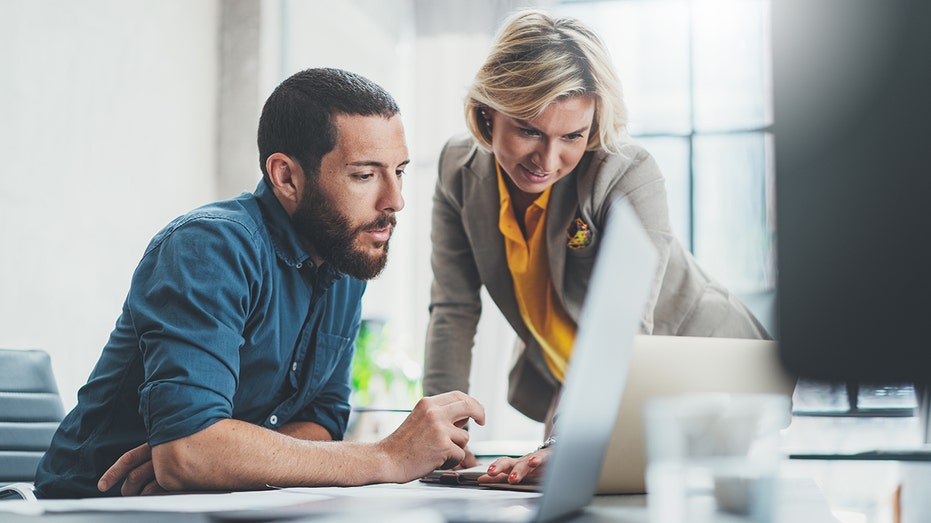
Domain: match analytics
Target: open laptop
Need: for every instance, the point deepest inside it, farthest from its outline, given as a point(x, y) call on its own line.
point(610, 319)
point(666, 366)
point(671, 365)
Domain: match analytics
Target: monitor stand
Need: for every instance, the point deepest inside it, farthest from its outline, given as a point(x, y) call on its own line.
point(882, 401)
point(919, 408)
point(923, 412)
point(852, 399)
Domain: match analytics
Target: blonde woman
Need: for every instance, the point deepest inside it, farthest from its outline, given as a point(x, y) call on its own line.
point(520, 207)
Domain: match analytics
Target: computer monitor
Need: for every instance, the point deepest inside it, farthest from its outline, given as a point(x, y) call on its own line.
point(852, 138)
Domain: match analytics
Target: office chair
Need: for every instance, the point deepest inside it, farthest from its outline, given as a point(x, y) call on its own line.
point(30, 411)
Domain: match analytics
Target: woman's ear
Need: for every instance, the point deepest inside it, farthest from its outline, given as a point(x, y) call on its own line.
point(286, 177)
point(486, 113)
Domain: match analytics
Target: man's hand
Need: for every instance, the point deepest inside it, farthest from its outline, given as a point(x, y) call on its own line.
point(136, 466)
point(468, 461)
point(433, 436)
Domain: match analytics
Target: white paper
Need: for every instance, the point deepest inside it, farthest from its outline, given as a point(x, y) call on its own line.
point(252, 500)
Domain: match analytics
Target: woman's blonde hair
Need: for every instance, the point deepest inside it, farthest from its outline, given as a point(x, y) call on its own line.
point(537, 59)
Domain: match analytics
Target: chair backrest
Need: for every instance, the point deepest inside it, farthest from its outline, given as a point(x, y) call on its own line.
point(30, 411)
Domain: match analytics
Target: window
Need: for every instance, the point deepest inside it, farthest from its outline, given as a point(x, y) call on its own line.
point(696, 80)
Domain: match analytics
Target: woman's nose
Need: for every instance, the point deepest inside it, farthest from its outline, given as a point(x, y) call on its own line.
point(547, 158)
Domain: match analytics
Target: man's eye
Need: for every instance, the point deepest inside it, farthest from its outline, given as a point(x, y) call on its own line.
point(399, 173)
point(363, 177)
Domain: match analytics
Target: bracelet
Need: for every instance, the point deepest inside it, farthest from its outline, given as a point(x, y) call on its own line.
point(550, 441)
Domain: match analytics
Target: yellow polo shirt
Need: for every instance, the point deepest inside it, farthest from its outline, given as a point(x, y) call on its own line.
point(528, 262)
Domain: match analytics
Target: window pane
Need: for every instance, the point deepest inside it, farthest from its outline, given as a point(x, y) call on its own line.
point(733, 226)
point(649, 43)
point(731, 74)
point(672, 155)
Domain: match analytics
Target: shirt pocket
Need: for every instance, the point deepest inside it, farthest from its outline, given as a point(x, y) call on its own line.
point(328, 356)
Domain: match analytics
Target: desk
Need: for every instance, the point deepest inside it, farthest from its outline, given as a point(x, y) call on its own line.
point(389, 503)
point(809, 490)
point(800, 501)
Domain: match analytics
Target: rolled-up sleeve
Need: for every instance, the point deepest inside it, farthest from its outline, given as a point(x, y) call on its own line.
point(191, 296)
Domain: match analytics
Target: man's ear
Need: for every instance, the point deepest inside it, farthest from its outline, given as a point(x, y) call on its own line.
point(287, 179)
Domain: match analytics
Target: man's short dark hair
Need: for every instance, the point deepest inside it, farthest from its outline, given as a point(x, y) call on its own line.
point(297, 119)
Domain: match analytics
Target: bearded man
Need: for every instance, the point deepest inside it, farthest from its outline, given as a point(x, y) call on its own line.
point(228, 368)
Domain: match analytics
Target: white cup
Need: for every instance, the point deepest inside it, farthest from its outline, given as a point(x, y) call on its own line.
point(711, 455)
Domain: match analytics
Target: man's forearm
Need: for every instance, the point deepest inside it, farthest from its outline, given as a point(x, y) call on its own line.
point(235, 455)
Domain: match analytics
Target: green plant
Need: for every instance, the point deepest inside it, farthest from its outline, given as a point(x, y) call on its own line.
point(381, 375)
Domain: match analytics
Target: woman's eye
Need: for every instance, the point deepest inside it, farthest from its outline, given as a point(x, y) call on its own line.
point(530, 132)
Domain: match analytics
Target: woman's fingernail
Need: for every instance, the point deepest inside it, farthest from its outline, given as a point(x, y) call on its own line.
point(513, 475)
point(533, 459)
point(491, 469)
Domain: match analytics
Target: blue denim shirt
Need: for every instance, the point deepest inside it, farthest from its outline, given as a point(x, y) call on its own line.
point(227, 317)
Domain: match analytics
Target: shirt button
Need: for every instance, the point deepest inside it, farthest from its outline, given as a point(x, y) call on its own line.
point(294, 367)
point(273, 419)
point(299, 265)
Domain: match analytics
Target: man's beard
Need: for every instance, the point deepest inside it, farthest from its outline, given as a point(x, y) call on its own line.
point(333, 238)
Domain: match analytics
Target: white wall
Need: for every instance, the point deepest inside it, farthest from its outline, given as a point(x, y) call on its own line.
point(107, 131)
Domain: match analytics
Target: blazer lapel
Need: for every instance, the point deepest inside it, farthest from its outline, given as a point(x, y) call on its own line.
point(559, 214)
point(481, 208)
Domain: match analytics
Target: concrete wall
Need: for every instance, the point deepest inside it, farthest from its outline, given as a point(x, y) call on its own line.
point(116, 116)
point(107, 131)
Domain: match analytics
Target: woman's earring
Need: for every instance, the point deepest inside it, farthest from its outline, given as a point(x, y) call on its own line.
point(486, 119)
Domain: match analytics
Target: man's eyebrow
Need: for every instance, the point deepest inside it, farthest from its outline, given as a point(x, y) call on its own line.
point(373, 163)
point(525, 123)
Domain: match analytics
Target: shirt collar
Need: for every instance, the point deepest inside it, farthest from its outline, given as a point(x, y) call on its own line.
point(284, 237)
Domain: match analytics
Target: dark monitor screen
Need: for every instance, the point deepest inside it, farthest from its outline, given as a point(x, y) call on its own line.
point(852, 137)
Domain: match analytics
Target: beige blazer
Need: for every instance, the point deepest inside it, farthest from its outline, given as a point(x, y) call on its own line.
point(469, 252)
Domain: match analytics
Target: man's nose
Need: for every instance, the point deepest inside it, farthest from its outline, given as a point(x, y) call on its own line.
point(391, 199)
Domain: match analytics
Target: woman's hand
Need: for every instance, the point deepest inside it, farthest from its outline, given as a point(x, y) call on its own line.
point(525, 469)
